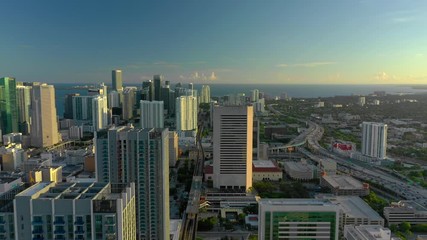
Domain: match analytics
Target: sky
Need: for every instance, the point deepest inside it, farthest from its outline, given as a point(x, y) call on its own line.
point(221, 41)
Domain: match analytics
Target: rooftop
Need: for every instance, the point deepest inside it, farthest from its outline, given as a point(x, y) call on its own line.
point(298, 166)
point(295, 202)
point(343, 182)
point(370, 232)
point(355, 207)
point(265, 166)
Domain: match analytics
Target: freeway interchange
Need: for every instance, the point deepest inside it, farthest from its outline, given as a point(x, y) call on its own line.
point(360, 170)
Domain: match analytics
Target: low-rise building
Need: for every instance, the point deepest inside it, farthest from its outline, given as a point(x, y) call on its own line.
point(300, 170)
point(405, 211)
point(344, 185)
point(266, 170)
point(366, 232)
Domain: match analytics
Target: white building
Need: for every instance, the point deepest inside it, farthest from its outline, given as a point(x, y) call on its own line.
point(290, 219)
point(405, 211)
point(362, 101)
point(255, 95)
point(114, 99)
point(152, 114)
point(232, 147)
point(366, 232)
point(374, 139)
point(205, 94)
point(44, 125)
point(186, 113)
point(128, 102)
point(266, 170)
point(300, 170)
point(50, 210)
point(99, 112)
point(23, 101)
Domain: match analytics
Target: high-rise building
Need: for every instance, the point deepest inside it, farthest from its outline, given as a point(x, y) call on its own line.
point(99, 112)
point(128, 102)
point(49, 210)
point(44, 125)
point(362, 101)
point(255, 95)
point(173, 148)
point(232, 147)
point(158, 79)
point(82, 108)
point(117, 80)
point(23, 99)
point(152, 114)
point(186, 113)
point(113, 100)
point(206, 94)
point(127, 154)
point(374, 139)
point(297, 219)
point(8, 106)
point(148, 86)
point(68, 105)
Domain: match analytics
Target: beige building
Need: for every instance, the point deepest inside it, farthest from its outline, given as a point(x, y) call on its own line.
point(266, 170)
point(46, 174)
point(173, 148)
point(232, 147)
point(344, 185)
point(44, 126)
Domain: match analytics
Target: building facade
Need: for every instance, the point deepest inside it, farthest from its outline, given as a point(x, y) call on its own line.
point(186, 113)
point(232, 147)
point(152, 114)
point(23, 100)
point(117, 81)
point(206, 94)
point(127, 154)
point(374, 139)
point(297, 219)
point(8, 106)
point(44, 125)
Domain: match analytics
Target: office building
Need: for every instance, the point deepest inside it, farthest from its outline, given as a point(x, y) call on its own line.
point(232, 147)
point(49, 210)
point(366, 232)
point(374, 139)
point(117, 80)
point(206, 94)
point(99, 112)
point(152, 114)
point(158, 83)
point(44, 125)
point(82, 108)
point(23, 101)
point(128, 102)
point(148, 86)
point(168, 98)
point(405, 211)
point(127, 154)
point(344, 185)
point(68, 105)
point(114, 99)
point(354, 211)
point(291, 218)
point(8, 106)
point(186, 113)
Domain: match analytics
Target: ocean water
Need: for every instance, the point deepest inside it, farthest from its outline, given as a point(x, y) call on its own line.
point(294, 90)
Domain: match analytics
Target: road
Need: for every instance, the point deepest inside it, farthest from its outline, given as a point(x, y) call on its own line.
point(315, 132)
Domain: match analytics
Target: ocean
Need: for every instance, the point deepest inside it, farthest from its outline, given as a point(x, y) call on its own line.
point(294, 90)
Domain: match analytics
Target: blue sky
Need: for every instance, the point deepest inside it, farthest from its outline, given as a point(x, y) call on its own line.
point(222, 41)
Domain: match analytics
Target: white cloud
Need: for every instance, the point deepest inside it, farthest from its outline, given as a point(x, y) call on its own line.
point(382, 76)
point(213, 77)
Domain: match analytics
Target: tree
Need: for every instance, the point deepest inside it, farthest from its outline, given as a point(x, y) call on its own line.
point(405, 227)
point(393, 228)
point(207, 223)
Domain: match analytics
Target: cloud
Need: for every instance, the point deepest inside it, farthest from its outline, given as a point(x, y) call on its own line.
point(403, 19)
point(213, 77)
point(382, 76)
point(307, 64)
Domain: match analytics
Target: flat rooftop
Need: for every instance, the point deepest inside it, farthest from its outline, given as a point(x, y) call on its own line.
point(265, 166)
point(299, 167)
point(355, 207)
point(343, 182)
point(295, 202)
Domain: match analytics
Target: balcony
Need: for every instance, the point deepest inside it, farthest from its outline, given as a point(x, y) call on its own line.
point(59, 231)
point(59, 222)
point(38, 238)
point(35, 231)
point(79, 231)
point(36, 222)
point(79, 222)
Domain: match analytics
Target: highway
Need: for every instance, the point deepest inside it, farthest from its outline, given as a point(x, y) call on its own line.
point(374, 174)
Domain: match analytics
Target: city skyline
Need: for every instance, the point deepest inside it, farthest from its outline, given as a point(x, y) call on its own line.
point(279, 42)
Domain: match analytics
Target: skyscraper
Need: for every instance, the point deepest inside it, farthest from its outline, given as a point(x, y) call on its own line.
point(158, 79)
point(128, 102)
point(148, 86)
point(206, 94)
point(68, 105)
point(255, 95)
point(44, 126)
point(82, 108)
point(23, 98)
point(8, 106)
point(298, 219)
point(117, 80)
point(152, 114)
point(99, 112)
point(127, 154)
point(186, 113)
point(374, 139)
point(232, 147)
